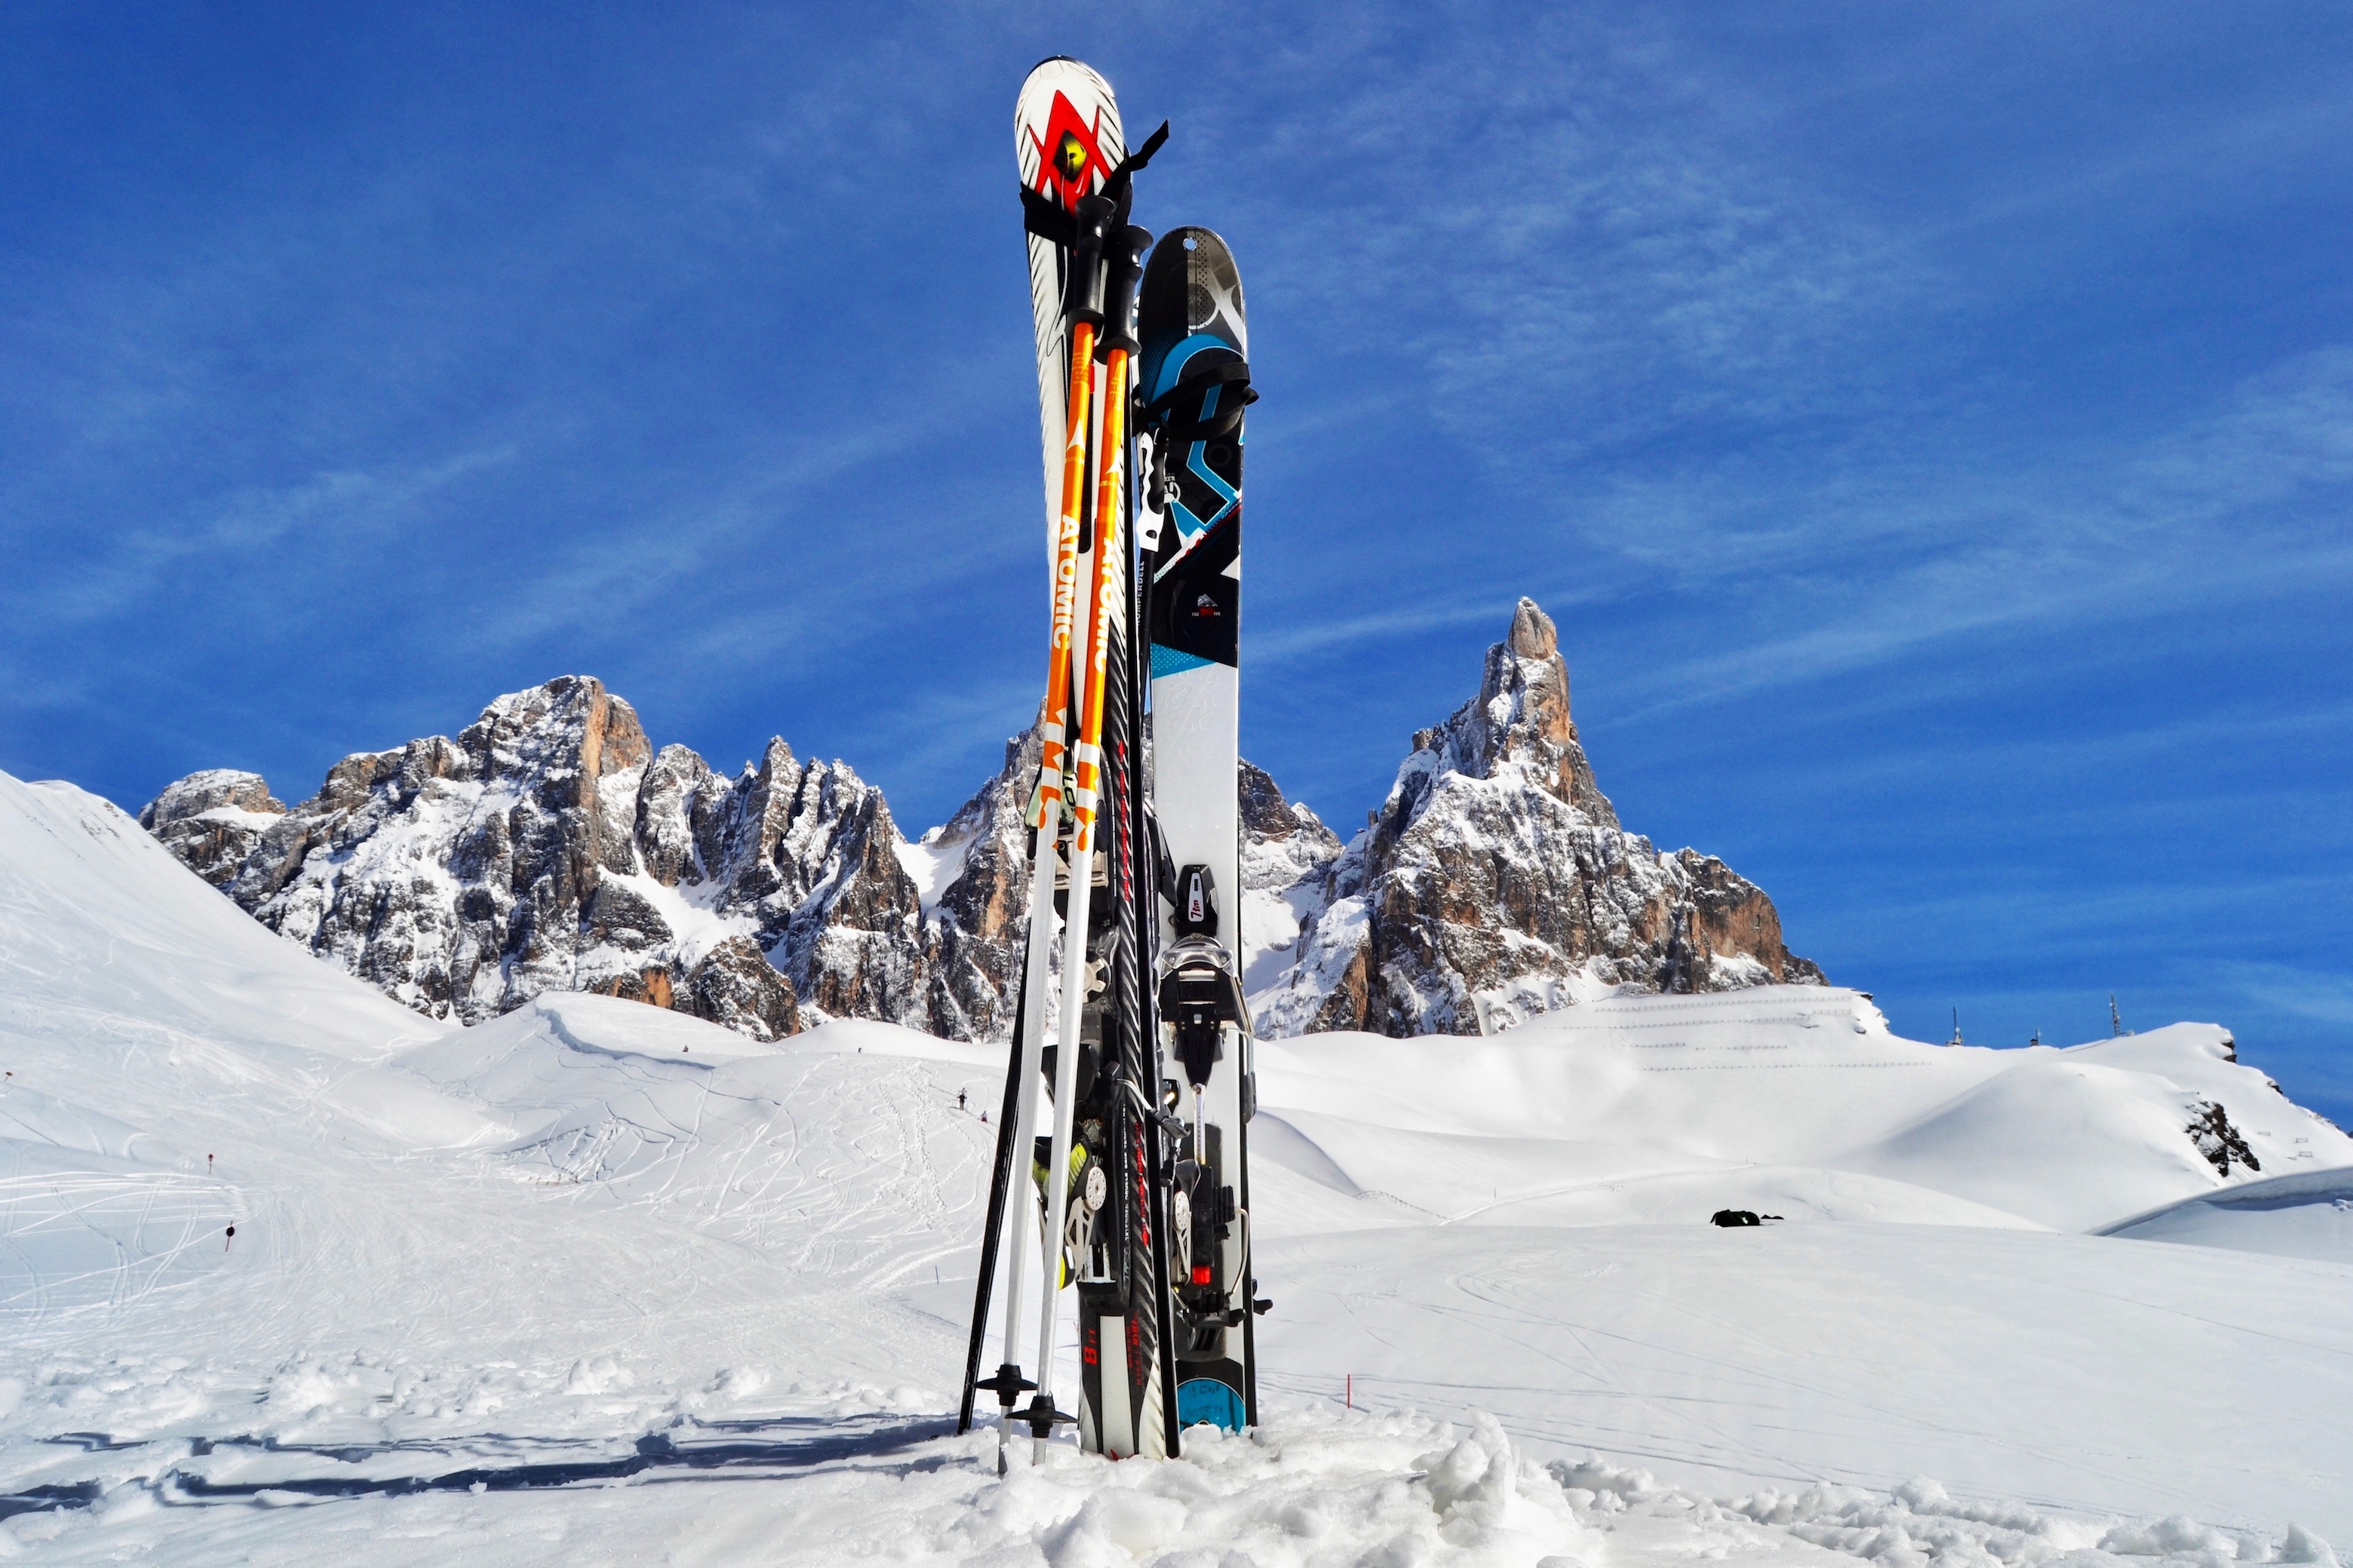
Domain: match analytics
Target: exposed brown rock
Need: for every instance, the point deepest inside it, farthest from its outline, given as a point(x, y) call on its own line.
point(650, 986)
point(550, 847)
point(212, 820)
point(736, 986)
point(1496, 878)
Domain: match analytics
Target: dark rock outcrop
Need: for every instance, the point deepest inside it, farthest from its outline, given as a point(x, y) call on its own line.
point(212, 820)
point(1495, 882)
point(2218, 1142)
point(552, 847)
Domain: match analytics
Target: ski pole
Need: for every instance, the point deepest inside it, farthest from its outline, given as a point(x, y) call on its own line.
point(1110, 561)
point(1001, 1179)
point(1040, 971)
point(1046, 812)
point(1085, 793)
point(1045, 806)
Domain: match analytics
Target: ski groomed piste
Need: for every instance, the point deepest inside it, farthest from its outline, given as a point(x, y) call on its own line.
point(601, 1282)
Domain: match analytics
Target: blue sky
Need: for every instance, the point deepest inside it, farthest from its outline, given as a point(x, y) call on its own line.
point(1933, 433)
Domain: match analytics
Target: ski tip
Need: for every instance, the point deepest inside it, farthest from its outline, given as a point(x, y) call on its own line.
point(1194, 237)
point(1190, 282)
point(1074, 63)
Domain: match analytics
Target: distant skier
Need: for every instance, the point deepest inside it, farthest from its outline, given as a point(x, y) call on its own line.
point(959, 1099)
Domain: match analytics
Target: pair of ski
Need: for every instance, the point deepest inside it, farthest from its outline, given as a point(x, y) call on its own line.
point(1142, 1181)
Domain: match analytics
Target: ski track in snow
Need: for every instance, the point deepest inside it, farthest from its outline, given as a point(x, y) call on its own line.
point(595, 1282)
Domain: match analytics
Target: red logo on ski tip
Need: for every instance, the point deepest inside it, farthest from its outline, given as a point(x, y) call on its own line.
point(1069, 155)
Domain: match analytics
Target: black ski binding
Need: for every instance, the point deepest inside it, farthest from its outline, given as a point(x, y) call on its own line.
point(1200, 997)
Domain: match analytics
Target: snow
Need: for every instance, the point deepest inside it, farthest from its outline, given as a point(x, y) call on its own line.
point(933, 861)
point(695, 927)
point(594, 1281)
point(2306, 1213)
point(2062, 1372)
point(1792, 1093)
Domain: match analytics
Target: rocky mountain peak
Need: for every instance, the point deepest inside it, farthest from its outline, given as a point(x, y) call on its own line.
point(561, 738)
point(212, 820)
point(1520, 720)
point(552, 846)
point(1266, 818)
point(209, 791)
point(1497, 883)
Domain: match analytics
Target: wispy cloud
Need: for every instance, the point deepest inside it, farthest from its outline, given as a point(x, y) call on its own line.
point(1586, 255)
point(245, 531)
point(2324, 996)
point(2221, 509)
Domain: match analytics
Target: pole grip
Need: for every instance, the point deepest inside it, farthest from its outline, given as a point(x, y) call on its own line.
point(1122, 253)
point(1094, 227)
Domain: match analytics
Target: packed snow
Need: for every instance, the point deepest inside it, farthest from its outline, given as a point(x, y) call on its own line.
point(2306, 1214)
point(598, 1282)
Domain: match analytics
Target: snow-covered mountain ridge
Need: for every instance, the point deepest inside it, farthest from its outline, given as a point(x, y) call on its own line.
point(551, 848)
point(1794, 1100)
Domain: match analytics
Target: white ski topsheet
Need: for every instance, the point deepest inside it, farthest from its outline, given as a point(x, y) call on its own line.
point(1195, 742)
point(1061, 99)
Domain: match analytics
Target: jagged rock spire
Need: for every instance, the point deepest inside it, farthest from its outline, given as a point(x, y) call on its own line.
point(1495, 882)
point(551, 847)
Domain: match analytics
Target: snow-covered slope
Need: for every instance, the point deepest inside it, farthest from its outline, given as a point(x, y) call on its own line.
point(2306, 1214)
point(718, 1285)
point(1788, 1099)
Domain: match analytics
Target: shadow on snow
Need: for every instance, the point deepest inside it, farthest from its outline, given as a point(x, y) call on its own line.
point(783, 1443)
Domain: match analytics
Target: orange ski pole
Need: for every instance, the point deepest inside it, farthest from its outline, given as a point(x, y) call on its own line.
point(1111, 558)
point(1109, 561)
point(1045, 805)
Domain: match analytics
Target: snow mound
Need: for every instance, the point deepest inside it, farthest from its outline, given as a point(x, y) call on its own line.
point(1662, 1108)
point(2306, 1213)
